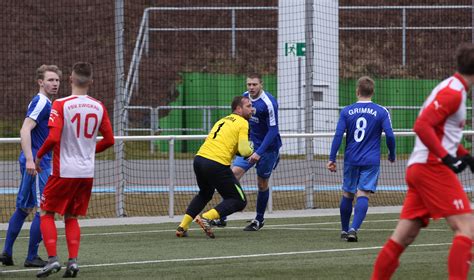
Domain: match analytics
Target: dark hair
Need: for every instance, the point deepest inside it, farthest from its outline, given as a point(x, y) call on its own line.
point(465, 58)
point(365, 86)
point(47, 68)
point(82, 73)
point(237, 101)
point(255, 76)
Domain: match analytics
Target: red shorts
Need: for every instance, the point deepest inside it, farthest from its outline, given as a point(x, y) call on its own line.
point(434, 191)
point(67, 195)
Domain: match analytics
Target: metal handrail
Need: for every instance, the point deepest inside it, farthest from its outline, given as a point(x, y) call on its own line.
point(404, 26)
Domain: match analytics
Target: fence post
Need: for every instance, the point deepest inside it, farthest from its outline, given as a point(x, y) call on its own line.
point(118, 106)
point(233, 34)
point(404, 36)
point(270, 196)
point(309, 71)
point(153, 118)
point(309, 192)
point(172, 177)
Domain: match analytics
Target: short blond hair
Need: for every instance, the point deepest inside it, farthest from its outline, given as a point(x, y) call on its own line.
point(365, 86)
point(45, 68)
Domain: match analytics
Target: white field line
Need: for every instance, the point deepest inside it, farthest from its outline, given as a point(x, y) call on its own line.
point(274, 227)
point(236, 257)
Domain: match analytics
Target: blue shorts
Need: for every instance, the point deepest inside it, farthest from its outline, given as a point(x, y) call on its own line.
point(31, 188)
point(267, 163)
point(360, 178)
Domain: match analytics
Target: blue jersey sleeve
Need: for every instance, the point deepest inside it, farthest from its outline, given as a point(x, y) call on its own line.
point(337, 140)
point(272, 123)
point(35, 108)
point(389, 137)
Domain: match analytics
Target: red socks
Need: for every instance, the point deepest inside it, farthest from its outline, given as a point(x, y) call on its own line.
point(387, 260)
point(50, 234)
point(73, 237)
point(459, 259)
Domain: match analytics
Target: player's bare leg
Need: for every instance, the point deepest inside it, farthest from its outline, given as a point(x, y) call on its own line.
point(238, 172)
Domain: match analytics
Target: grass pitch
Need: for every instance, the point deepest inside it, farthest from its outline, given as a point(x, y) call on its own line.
point(296, 248)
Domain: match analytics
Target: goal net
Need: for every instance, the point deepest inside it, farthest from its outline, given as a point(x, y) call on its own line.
point(170, 71)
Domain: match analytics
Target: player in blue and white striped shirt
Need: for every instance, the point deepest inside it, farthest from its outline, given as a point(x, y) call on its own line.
point(363, 123)
point(266, 141)
point(33, 133)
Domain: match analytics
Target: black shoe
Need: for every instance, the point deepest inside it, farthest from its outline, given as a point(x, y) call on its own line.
point(53, 266)
point(35, 262)
point(71, 270)
point(205, 224)
point(352, 236)
point(254, 225)
point(219, 223)
point(181, 232)
point(343, 236)
point(6, 259)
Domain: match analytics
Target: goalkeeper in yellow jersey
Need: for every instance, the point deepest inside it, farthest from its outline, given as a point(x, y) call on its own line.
point(228, 137)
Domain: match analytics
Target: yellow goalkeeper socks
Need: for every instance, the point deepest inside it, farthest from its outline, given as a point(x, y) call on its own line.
point(211, 215)
point(186, 221)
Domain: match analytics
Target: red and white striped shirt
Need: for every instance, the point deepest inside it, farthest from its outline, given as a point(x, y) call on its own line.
point(74, 124)
point(440, 122)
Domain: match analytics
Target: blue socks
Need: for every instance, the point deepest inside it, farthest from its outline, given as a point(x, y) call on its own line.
point(345, 210)
point(35, 237)
point(14, 227)
point(262, 201)
point(360, 211)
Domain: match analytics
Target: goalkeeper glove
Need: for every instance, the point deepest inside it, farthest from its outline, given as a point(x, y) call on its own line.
point(457, 165)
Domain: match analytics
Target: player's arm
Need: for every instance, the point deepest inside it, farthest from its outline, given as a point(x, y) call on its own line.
point(25, 134)
point(55, 124)
point(244, 148)
point(53, 138)
point(272, 124)
point(107, 132)
point(445, 104)
point(336, 142)
point(389, 137)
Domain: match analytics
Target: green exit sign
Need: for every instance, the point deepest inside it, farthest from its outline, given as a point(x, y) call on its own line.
point(295, 49)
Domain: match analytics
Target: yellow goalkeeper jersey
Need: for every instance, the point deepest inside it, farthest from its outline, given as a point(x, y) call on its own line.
point(228, 136)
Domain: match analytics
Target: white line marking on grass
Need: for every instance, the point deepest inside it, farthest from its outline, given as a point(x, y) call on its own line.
point(235, 257)
point(329, 223)
point(276, 227)
point(361, 230)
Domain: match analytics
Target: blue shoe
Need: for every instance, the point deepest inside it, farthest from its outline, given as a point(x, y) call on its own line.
point(352, 235)
point(254, 225)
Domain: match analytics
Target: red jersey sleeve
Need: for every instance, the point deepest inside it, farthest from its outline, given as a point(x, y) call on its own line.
point(106, 131)
point(433, 116)
point(461, 151)
point(55, 124)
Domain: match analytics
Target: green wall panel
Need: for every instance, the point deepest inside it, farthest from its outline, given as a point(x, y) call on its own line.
point(210, 89)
